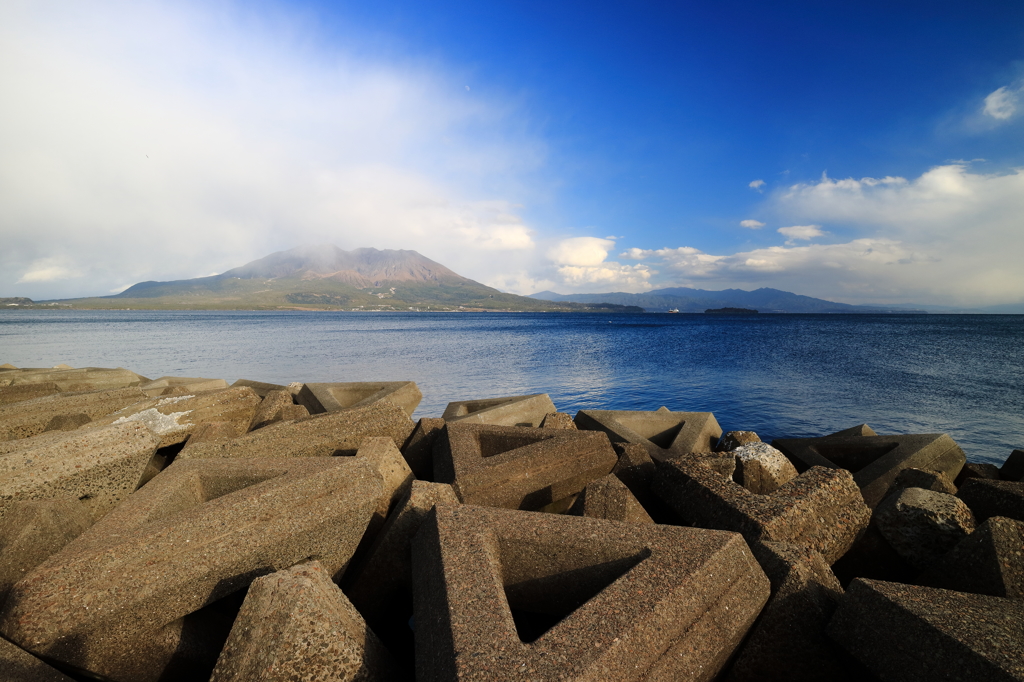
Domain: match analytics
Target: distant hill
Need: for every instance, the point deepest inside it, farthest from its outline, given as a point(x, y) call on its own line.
point(328, 278)
point(688, 300)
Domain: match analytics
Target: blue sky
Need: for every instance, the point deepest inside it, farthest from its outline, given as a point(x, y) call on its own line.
point(865, 153)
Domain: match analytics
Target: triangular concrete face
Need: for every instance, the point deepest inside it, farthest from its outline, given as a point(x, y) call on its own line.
point(319, 398)
point(875, 461)
point(627, 601)
point(519, 467)
point(665, 434)
point(517, 410)
point(131, 598)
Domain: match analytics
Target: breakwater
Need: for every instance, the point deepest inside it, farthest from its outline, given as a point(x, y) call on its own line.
point(184, 528)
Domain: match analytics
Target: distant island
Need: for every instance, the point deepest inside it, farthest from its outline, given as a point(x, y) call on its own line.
point(326, 278)
point(731, 311)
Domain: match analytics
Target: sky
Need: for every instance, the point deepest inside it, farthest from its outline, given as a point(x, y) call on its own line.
point(861, 152)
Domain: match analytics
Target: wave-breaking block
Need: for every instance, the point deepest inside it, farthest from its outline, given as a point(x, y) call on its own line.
point(876, 460)
point(322, 435)
point(821, 507)
point(141, 593)
point(516, 410)
point(993, 498)
point(181, 386)
point(296, 624)
point(100, 466)
point(664, 433)
point(29, 418)
point(511, 595)
point(988, 561)
point(908, 633)
point(319, 398)
point(81, 379)
point(519, 467)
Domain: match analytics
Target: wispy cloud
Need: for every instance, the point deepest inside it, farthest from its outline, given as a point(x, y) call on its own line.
point(1002, 103)
point(800, 232)
point(752, 224)
point(756, 184)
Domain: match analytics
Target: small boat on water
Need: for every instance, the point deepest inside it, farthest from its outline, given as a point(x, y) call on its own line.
point(673, 310)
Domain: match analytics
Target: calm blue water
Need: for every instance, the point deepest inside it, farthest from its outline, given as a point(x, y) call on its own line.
point(778, 375)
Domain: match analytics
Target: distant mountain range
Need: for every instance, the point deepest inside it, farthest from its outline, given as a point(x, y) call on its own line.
point(687, 300)
point(328, 278)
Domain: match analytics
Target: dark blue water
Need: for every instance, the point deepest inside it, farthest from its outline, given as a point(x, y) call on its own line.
point(778, 375)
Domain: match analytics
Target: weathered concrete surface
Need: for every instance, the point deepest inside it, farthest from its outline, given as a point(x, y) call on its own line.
point(632, 602)
point(517, 410)
point(67, 380)
point(558, 420)
point(387, 574)
point(993, 498)
point(921, 634)
point(419, 450)
point(15, 394)
point(31, 417)
point(977, 470)
point(33, 530)
point(67, 422)
point(322, 435)
point(320, 398)
point(762, 469)
point(125, 599)
point(609, 498)
point(1013, 467)
point(734, 439)
point(665, 434)
point(270, 408)
point(821, 507)
point(922, 478)
point(860, 430)
point(788, 642)
point(876, 460)
point(17, 665)
point(186, 385)
point(173, 419)
point(988, 561)
point(519, 467)
point(636, 469)
point(296, 624)
point(381, 455)
point(100, 466)
point(922, 525)
point(260, 388)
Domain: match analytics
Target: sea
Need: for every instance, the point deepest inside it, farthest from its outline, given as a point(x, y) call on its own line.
point(778, 375)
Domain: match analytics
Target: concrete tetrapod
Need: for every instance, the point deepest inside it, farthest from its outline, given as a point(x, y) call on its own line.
point(319, 398)
point(519, 467)
point(993, 498)
point(297, 625)
point(20, 666)
point(609, 498)
point(988, 561)
point(876, 460)
point(181, 386)
point(81, 379)
point(906, 633)
point(517, 410)
point(821, 507)
point(322, 435)
point(100, 466)
point(32, 417)
point(126, 598)
point(665, 434)
point(512, 595)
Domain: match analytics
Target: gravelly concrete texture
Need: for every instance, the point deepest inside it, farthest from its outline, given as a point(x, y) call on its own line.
point(519, 467)
point(910, 633)
point(632, 602)
point(319, 398)
point(31, 417)
point(821, 508)
point(296, 624)
point(125, 599)
point(664, 433)
point(517, 410)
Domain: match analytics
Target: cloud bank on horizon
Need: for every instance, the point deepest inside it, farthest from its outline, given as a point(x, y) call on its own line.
point(155, 141)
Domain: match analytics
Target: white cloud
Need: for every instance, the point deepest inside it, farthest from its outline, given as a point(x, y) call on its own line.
point(801, 232)
point(949, 237)
point(581, 265)
point(1002, 103)
point(752, 224)
point(756, 184)
point(157, 140)
point(584, 251)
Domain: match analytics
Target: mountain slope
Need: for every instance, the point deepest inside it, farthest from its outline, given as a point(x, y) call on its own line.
point(326, 277)
point(698, 300)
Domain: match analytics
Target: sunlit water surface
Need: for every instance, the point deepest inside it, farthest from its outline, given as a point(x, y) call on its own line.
point(778, 375)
